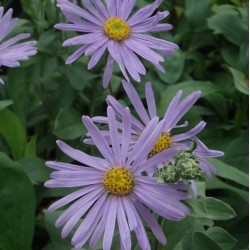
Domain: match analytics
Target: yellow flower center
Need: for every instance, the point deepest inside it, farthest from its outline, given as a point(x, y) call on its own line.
point(118, 181)
point(165, 141)
point(116, 29)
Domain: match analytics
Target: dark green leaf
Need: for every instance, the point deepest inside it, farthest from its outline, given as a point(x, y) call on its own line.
point(202, 241)
point(17, 207)
point(35, 168)
point(13, 132)
point(68, 124)
point(222, 237)
point(239, 81)
point(211, 208)
point(228, 172)
point(4, 104)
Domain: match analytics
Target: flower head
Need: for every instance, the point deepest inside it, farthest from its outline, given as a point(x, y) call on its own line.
point(113, 189)
point(176, 110)
point(11, 52)
point(112, 28)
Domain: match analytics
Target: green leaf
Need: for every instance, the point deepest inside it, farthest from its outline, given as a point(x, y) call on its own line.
point(55, 233)
point(13, 132)
point(176, 231)
point(237, 153)
point(17, 209)
point(77, 78)
point(239, 80)
point(197, 12)
point(68, 125)
point(187, 87)
point(4, 104)
point(174, 68)
point(211, 208)
point(230, 25)
point(216, 183)
point(228, 172)
point(30, 149)
point(222, 237)
point(35, 168)
point(202, 241)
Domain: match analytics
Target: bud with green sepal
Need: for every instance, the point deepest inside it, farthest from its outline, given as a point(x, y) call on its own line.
point(185, 167)
point(168, 174)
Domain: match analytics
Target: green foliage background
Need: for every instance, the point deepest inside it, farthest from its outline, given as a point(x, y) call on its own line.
point(44, 100)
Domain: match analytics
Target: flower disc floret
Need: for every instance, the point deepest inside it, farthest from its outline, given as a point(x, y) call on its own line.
point(118, 181)
point(116, 29)
point(164, 142)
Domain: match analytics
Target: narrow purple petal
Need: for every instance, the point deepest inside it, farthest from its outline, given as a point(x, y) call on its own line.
point(150, 100)
point(136, 101)
point(123, 226)
point(99, 140)
point(164, 156)
point(110, 226)
point(140, 144)
point(71, 197)
point(119, 109)
point(88, 225)
point(126, 135)
point(115, 142)
point(87, 200)
point(191, 133)
point(108, 71)
point(82, 157)
point(101, 225)
point(79, 52)
point(152, 222)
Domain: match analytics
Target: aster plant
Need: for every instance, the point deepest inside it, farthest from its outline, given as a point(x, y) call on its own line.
point(113, 188)
point(112, 27)
point(12, 50)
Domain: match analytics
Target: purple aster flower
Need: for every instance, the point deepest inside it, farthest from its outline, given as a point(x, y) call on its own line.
point(176, 110)
point(10, 50)
point(113, 190)
point(111, 27)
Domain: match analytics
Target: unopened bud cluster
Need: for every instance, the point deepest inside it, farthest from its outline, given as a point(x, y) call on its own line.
point(185, 167)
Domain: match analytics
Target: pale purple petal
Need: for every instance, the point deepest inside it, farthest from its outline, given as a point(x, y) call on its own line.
point(101, 225)
point(82, 157)
point(126, 135)
point(99, 140)
point(123, 226)
point(191, 133)
point(119, 109)
point(150, 100)
point(88, 225)
point(115, 142)
point(79, 52)
point(71, 197)
point(110, 226)
point(85, 201)
point(144, 12)
point(136, 101)
point(96, 56)
point(164, 156)
point(108, 71)
point(152, 222)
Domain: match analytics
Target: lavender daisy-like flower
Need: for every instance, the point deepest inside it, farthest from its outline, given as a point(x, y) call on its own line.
point(176, 110)
point(113, 190)
point(111, 27)
point(11, 52)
